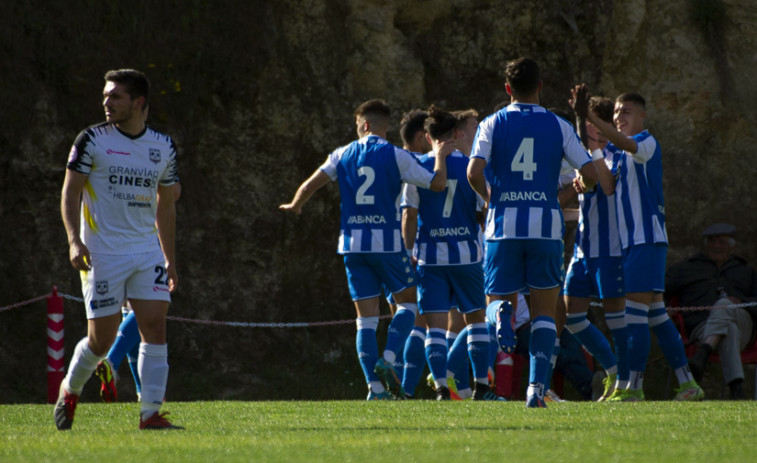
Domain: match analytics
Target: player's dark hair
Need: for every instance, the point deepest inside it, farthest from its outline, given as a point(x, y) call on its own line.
point(412, 123)
point(135, 82)
point(463, 115)
point(440, 124)
point(603, 106)
point(376, 109)
point(632, 97)
point(522, 75)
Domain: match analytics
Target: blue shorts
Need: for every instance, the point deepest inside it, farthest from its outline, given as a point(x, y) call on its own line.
point(368, 273)
point(512, 265)
point(644, 268)
point(599, 277)
point(441, 287)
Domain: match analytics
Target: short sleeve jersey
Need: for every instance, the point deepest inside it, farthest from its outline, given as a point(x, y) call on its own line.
point(370, 172)
point(524, 145)
point(639, 197)
point(448, 233)
point(597, 232)
point(119, 201)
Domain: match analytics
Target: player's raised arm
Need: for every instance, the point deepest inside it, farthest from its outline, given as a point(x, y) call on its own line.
point(316, 181)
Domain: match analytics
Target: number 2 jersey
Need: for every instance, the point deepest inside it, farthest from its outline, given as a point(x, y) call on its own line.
point(119, 200)
point(370, 172)
point(523, 145)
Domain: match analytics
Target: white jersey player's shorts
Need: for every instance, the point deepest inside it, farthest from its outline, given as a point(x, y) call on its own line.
point(112, 277)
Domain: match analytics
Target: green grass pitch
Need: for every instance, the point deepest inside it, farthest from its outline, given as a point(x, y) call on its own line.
point(396, 432)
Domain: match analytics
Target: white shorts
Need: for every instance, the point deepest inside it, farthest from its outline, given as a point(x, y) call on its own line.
point(112, 277)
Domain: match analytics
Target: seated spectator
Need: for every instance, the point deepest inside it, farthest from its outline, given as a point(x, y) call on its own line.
point(717, 278)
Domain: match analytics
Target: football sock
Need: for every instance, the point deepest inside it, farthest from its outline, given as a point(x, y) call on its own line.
point(133, 358)
point(616, 321)
point(592, 339)
point(637, 317)
point(127, 339)
point(153, 369)
point(83, 364)
point(436, 355)
point(399, 329)
point(367, 347)
point(541, 345)
point(493, 344)
point(552, 362)
point(478, 350)
point(451, 337)
point(415, 359)
point(457, 357)
point(668, 338)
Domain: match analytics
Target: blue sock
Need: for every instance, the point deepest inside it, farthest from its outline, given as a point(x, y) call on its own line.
point(450, 337)
point(478, 350)
point(553, 362)
point(128, 337)
point(436, 355)
point(616, 321)
point(399, 329)
point(637, 317)
point(415, 359)
point(667, 335)
point(493, 344)
point(133, 359)
point(367, 347)
point(540, 348)
point(457, 360)
point(592, 339)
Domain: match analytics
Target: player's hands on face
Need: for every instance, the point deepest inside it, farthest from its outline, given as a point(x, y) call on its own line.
point(78, 254)
point(291, 208)
point(580, 100)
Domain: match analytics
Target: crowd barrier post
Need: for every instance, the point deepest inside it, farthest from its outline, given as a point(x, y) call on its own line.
point(55, 350)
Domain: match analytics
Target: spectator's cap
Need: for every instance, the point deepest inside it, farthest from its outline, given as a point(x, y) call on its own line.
point(719, 229)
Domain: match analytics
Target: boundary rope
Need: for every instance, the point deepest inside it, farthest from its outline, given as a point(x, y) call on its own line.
point(325, 323)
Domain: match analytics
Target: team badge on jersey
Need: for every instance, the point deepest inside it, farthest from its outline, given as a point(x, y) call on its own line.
point(155, 155)
point(101, 287)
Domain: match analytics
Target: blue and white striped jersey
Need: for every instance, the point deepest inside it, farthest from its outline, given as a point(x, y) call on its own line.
point(523, 145)
point(370, 172)
point(639, 196)
point(448, 233)
point(597, 233)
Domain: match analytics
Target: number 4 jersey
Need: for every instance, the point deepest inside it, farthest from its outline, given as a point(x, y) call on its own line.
point(119, 201)
point(370, 172)
point(523, 145)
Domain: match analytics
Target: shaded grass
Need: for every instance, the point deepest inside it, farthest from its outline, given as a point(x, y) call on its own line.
point(356, 431)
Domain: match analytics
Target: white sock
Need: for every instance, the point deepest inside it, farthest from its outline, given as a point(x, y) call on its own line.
point(153, 371)
point(83, 364)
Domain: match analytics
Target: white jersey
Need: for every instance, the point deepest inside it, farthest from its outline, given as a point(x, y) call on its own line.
point(119, 201)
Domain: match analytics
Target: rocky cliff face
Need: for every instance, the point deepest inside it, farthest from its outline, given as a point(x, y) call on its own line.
point(257, 94)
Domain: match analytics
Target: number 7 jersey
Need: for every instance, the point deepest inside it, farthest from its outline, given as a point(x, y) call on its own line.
point(523, 145)
point(370, 172)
